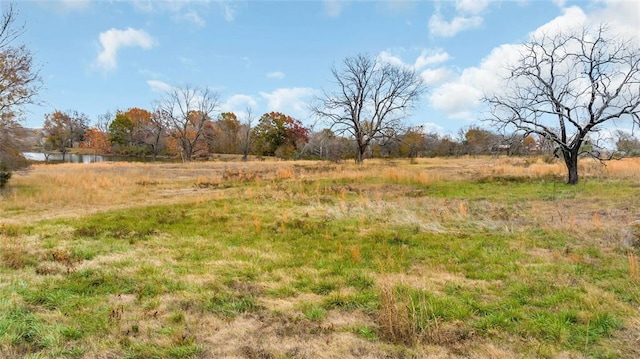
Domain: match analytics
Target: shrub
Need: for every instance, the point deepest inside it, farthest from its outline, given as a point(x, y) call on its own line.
point(4, 178)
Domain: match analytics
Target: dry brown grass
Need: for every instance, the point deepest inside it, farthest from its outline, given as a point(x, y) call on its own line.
point(48, 191)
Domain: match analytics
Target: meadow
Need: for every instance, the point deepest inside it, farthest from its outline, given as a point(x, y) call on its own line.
point(438, 258)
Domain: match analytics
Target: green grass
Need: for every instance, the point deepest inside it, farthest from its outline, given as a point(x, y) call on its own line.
point(141, 281)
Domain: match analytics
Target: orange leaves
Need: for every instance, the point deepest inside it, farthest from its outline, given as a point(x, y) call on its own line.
point(96, 140)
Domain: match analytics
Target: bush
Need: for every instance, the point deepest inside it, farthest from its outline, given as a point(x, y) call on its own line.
point(4, 178)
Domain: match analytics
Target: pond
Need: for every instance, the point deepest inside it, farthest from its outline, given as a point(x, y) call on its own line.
point(79, 158)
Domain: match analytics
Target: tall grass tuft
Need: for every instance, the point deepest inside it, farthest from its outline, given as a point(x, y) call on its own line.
point(633, 265)
point(13, 254)
point(394, 319)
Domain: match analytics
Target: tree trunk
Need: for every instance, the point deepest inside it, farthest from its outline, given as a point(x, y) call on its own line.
point(185, 157)
point(360, 155)
point(362, 148)
point(571, 160)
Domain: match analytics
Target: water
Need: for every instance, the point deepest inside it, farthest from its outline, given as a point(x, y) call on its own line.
point(78, 158)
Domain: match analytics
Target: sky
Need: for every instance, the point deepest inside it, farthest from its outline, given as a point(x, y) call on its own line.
point(103, 56)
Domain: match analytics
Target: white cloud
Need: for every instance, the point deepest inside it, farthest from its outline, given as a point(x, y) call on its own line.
point(440, 27)
point(621, 15)
point(238, 103)
point(291, 101)
point(387, 57)
point(460, 98)
point(422, 64)
point(332, 8)
point(571, 18)
point(159, 86)
point(434, 76)
point(113, 40)
point(430, 127)
point(427, 58)
point(468, 16)
point(276, 75)
point(457, 99)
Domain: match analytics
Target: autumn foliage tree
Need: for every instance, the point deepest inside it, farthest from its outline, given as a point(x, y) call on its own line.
point(64, 130)
point(478, 141)
point(142, 133)
point(277, 134)
point(19, 85)
point(228, 133)
point(96, 140)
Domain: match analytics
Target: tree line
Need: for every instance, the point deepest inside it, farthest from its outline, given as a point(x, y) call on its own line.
point(140, 132)
point(558, 96)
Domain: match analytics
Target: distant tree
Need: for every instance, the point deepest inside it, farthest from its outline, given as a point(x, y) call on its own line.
point(566, 87)
point(246, 138)
point(371, 100)
point(412, 142)
point(479, 141)
point(529, 144)
point(432, 142)
point(97, 140)
point(11, 148)
point(627, 144)
point(64, 129)
point(448, 147)
point(186, 111)
point(121, 130)
point(326, 145)
point(19, 85)
point(279, 135)
point(156, 132)
point(141, 119)
point(103, 121)
point(227, 133)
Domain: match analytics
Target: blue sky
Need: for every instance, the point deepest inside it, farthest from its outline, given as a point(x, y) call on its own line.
point(103, 56)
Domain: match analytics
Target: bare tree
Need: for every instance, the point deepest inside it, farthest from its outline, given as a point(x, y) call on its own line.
point(103, 121)
point(186, 110)
point(566, 87)
point(247, 126)
point(155, 131)
point(371, 100)
point(19, 85)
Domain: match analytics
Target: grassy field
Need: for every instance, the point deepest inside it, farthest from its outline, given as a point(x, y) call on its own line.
point(441, 258)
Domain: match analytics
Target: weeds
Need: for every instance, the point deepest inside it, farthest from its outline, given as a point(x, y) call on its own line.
point(274, 259)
